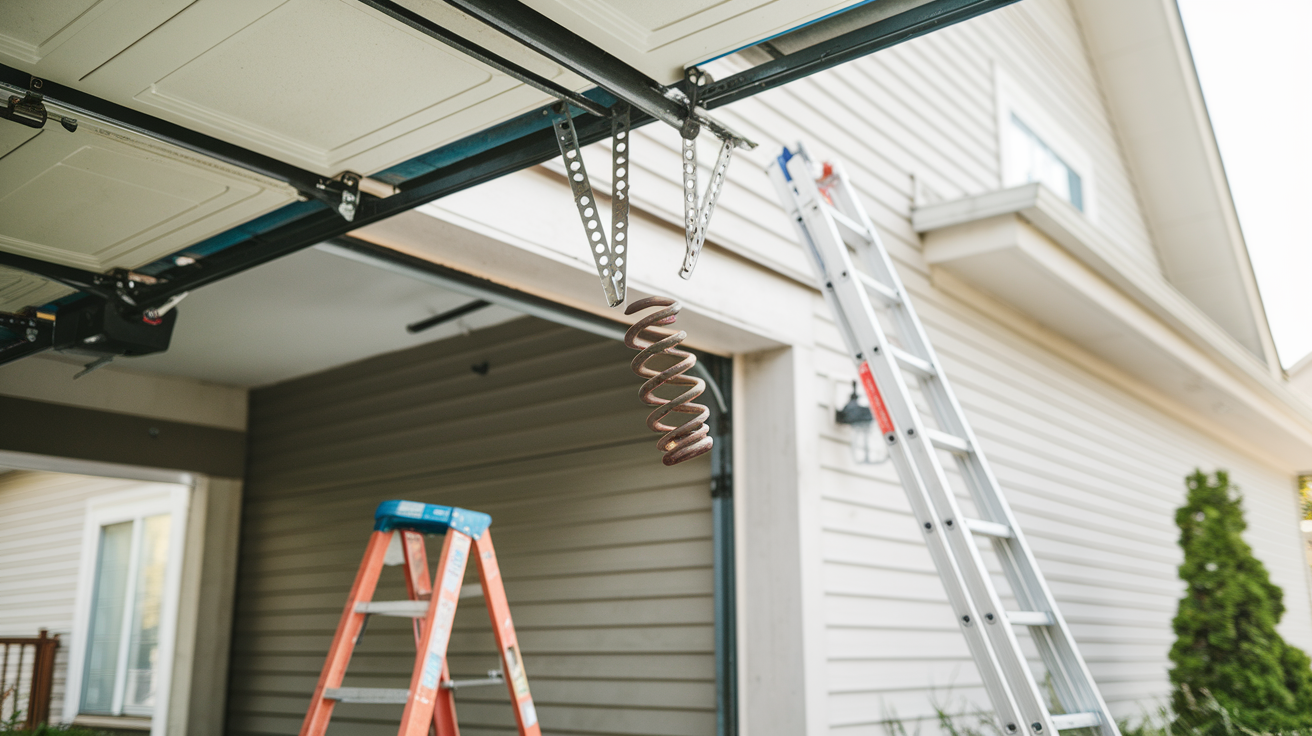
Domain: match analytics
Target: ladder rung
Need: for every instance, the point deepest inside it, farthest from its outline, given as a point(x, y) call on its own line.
point(1030, 618)
point(494, 677)
point(472, 590)
point(849, 228)
point(375, 695)
point(911, 363)
point(1067, 721)
point(404, 609)
point(949, 442)
point(879, 288)
point(988, 528)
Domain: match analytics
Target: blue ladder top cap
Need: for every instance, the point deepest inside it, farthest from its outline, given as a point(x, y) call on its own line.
point(783, 163)
point(427, 518)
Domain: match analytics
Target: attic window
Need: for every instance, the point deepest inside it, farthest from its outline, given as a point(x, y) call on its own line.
point(1030, 160)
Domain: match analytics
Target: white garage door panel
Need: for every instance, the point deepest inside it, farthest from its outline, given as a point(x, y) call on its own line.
point(100, 198)
point(20, 289)
point(661, 38)
point(331, 85)
point(323, 84)
point(327, 85)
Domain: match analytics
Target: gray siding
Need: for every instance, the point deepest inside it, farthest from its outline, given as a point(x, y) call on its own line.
point(605, 552)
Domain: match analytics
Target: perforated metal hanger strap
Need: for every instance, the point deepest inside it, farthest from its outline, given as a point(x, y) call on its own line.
point(698, 206)
point(610, 264)
point(619, 195)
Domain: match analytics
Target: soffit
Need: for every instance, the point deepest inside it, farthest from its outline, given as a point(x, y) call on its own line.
point(1142, 57)
point(1011, 260)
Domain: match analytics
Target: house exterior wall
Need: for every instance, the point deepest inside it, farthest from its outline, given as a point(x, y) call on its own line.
point(606, 554)
point(42, 520)
point(842, 620)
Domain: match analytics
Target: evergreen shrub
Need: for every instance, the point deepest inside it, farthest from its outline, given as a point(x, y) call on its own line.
point(1227, 652)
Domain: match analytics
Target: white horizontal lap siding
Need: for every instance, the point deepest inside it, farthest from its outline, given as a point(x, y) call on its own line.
point(924, 110)
point(1094, 475)
point(41, 520)
point(606, 553)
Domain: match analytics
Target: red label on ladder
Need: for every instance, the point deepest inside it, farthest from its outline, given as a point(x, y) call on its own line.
point(877, 407)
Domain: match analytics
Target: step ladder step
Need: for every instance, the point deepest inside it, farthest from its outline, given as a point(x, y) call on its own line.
point(372, 695)
point(1030, 618)
point(494, 677)
point(403, 609)
point(471, 590)
point(886, 293)
point(912, 364)
point(989, 528)
point(1067, 721)
point(949, 442)
point(850, 229)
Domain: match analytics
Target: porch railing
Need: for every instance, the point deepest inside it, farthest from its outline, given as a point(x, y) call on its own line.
point(27, 668)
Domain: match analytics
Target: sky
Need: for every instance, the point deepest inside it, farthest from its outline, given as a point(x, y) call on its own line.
point(1254, 61)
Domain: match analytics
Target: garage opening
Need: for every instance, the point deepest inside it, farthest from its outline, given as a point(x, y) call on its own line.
point(610, 562)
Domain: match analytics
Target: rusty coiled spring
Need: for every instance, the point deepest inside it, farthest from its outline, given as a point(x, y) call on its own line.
point(689, 439)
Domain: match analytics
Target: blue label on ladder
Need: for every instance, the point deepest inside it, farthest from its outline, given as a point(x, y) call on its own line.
point(428, 518)
point(432, 671)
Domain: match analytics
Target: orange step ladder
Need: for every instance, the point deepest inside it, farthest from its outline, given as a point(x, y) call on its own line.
point(430, 700)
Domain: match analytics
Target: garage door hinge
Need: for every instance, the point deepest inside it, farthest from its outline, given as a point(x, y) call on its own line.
point(30, 109)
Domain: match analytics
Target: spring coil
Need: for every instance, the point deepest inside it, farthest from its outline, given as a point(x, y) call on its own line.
point(689, 439)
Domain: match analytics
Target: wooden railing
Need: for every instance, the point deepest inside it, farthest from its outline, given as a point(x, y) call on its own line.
point(27, 669)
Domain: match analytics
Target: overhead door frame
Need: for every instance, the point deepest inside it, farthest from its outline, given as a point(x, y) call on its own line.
point(716, 370)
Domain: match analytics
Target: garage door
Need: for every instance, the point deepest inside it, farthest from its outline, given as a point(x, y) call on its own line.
point(606, 553)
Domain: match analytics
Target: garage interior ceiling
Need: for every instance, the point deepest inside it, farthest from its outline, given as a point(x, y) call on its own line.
point(201, 123)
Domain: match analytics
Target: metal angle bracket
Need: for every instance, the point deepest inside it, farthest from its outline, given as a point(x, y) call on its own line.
point(610, 256)
point(30, 109)
point(699, 206)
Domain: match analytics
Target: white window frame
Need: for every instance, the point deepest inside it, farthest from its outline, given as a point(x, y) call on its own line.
point(149, 500)
point(1013, 99)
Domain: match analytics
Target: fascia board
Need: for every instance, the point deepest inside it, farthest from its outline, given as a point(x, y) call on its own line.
point(1049, 249)
point(1066, 226)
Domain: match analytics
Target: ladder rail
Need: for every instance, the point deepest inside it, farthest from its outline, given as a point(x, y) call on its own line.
point(429, 701)
point(1012, 670)
point(923, 508)
point(833, 213)
point(1064, 663)
point(348, 630)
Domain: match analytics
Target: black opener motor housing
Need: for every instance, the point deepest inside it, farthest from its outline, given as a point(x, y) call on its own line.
point(93, 327)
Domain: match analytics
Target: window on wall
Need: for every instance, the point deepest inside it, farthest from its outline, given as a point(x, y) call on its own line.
point(121, 676)
point(1029, 159)
point(129, 584)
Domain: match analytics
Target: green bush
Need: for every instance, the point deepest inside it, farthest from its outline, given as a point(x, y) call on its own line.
point(1232, 671)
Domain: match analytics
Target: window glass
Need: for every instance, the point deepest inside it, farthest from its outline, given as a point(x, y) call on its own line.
point(107, 608)
point(1029, 160)
point(124, 643)
point(143, 647)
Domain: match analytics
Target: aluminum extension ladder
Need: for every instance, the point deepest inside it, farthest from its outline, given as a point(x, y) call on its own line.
point(829, 221)
point(430, 700)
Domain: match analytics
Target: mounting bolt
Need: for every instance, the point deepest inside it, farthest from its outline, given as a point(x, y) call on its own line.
point(31, 334)
point(989, 617)
point(929, 527)
point(966, 620)
point(1011, 728)
point(1038, 727)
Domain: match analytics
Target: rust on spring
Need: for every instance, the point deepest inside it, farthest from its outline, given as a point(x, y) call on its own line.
point(687, 440)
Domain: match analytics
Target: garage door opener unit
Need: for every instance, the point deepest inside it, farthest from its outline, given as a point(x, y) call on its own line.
point(832, 226)
point(430, 699)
